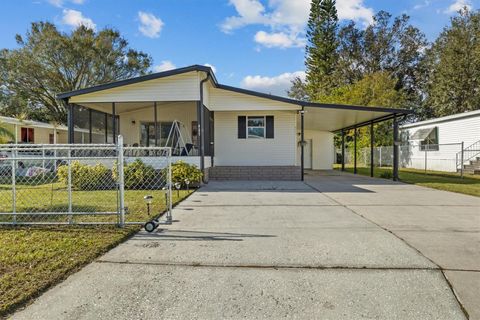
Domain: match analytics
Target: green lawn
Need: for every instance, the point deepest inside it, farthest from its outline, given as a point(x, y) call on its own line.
point(34, 258)
point(470, 184)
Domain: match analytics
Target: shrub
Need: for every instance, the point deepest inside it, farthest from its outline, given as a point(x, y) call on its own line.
point(86, 177)
point(386, 174)
point(182, 171)
point(138, 175)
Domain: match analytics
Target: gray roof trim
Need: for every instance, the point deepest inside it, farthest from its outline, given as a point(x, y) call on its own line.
point(209, 71)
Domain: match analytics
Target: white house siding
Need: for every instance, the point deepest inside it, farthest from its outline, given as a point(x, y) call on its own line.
point(231, 151)
point(226, 100)
point(182, 87)
point(185, 112)
point(451, 133)
point(322, 152)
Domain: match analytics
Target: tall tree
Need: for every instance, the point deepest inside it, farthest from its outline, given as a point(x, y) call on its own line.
point(48, 62)
point(321, 49)
point(390, 45)
point(374, 90)
point(452, 68)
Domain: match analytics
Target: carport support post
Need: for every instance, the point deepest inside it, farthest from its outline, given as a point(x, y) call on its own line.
point(70, 122)
point(395, 148)
point(355, 150)
point(343, 150)
point(302, 143)
point(372, 142)
point(114, 123)
point(200, 132)
point(155, 123)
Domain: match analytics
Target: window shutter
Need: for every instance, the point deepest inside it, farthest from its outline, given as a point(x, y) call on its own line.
point(242, 127)
point(269, 134)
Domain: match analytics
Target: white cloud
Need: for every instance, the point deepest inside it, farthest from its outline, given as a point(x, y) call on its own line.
point(287, 19)
point(59, 3)
point(422, 5)
point(211, 66)
point(75, 18)
point(278, 39)
point(458, 5)
point(56, 3)
point(164, 66)
point(277, 85)
point(150, 26)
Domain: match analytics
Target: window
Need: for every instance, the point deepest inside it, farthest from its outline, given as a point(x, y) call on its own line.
point(27, 135)
point(430, 143)
point(147, 133)
point(255, 127)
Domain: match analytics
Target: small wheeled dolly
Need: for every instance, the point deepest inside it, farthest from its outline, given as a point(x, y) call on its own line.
point(150, 226)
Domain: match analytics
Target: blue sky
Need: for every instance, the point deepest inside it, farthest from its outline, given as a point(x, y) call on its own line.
point(255, 44)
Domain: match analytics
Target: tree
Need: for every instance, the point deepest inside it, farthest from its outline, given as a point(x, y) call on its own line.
point(376, 89)
point(452, 68)
point(5, 133)
point(393, 46)
point(298, 90)
point(49, 62)
point(321, 50)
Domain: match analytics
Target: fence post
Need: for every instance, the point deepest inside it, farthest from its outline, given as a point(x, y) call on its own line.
point(43, 160)
point(14, 186)
point(426, 158)
point(169, 217)
point(121, 181)
point(461, 160)
point(380, 157)
point(69, 186)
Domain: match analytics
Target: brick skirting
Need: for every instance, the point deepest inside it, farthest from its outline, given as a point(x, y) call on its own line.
point(289, 173)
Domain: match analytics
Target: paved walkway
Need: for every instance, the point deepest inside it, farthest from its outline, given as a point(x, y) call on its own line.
point(337, 247)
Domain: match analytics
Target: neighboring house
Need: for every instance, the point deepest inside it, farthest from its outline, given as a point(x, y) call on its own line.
point(235, 133)
point(438, 142)
point(34, 132)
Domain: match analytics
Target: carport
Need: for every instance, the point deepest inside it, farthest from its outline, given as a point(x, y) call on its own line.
point(342, 118)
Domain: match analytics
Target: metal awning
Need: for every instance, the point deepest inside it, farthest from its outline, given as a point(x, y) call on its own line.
point(421, 134)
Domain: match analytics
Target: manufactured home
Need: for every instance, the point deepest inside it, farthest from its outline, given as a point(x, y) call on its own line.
point(444, 144)
point(231, 133)
point(34, 132)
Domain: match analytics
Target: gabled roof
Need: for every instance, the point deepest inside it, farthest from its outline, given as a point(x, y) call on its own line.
point(152, 76)
point(215, 83)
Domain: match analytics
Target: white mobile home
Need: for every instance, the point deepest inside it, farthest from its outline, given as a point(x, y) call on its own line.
point(232, 133)
point(438, 142)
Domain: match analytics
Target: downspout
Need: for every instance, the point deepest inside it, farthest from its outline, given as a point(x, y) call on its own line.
point(202, 128)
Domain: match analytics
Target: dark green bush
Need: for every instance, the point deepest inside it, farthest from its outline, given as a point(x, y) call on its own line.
point(386, 174)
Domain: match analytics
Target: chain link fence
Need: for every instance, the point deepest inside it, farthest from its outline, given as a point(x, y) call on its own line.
point(438, 157)
point(84, 184)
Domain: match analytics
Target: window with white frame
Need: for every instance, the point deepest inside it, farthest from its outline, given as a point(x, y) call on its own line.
point(256, 127)
point(430, 142)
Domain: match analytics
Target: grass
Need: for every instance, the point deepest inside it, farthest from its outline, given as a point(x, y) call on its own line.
point(32, 259)
point(446, 181)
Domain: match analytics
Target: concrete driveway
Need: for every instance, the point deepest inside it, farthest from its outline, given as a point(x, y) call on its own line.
point(336, 247)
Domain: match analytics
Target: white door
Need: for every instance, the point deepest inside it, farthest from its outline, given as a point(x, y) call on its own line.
point(308, 154)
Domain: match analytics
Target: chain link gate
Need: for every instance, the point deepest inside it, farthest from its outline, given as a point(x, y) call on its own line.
point(76, 184)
